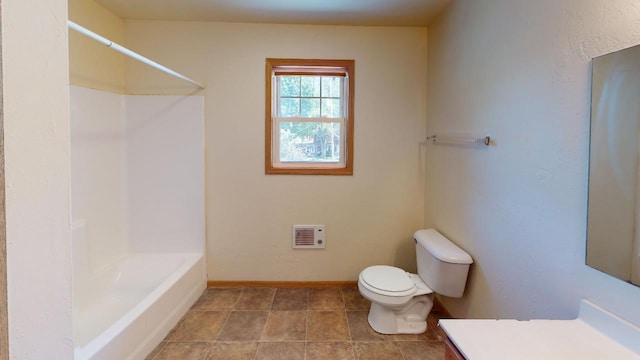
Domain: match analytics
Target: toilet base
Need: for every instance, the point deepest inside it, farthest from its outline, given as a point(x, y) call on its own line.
point(411, 319)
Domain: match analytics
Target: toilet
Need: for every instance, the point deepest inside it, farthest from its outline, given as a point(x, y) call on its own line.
point(401, 301)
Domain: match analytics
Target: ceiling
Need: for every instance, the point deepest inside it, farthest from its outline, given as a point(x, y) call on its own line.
point(317, 12)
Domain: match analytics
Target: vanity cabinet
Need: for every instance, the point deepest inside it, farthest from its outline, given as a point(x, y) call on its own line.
point(595, 335)
point(451, 352)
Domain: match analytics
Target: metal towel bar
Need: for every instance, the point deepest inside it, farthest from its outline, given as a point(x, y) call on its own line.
point(486, 140)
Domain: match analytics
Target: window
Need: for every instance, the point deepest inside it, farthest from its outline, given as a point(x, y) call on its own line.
point(309, 117)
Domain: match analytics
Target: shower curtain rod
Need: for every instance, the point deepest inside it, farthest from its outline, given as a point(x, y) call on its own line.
point(124, 50)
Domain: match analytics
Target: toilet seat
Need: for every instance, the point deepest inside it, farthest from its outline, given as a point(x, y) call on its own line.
point(387, 280)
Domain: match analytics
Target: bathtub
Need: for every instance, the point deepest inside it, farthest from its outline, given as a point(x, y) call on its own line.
point(125, 310)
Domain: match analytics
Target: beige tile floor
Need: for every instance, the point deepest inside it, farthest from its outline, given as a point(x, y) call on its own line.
point(282, 324)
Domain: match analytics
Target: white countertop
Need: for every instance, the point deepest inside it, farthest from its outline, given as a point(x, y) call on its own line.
point(593, 335)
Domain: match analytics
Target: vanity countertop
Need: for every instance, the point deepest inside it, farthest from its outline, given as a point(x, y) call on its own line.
point(593, 335)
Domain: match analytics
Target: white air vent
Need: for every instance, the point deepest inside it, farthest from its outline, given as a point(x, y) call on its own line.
point(308, 237)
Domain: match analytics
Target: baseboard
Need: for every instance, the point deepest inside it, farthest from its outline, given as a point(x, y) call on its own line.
point(437, 306)
point(282, 284)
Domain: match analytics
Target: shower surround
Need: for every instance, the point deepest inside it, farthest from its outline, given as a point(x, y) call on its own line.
point(137, 186)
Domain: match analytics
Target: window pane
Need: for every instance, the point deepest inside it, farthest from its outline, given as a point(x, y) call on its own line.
point(290, 143)
point(289, 107)
point(331, 108)
point(309, 108)
point(289, 85)
point(309, 141)
point(331, 86)
point(310, 86)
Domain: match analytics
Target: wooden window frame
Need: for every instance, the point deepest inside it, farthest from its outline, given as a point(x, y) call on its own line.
point(346, 65)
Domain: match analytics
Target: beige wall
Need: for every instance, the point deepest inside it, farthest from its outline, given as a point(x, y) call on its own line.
point(369, 217)
point(520, 72)
point(36, 140)
point(91, 64)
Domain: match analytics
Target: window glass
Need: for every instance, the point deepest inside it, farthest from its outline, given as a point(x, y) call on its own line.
point(289, 85)
point(331, 108)
point(309, 108)
point(331, 86)
point(309, 141)
point(289, 107)
point(310, 86)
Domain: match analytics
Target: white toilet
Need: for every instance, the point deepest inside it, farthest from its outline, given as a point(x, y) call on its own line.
point(401, 301)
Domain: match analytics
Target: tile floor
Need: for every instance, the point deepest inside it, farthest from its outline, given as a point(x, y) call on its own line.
point(282, 324)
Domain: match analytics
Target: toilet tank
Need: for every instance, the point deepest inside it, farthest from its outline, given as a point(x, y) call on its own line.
point(442, 265)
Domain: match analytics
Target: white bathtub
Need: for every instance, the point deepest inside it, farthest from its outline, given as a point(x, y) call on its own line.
point(125, 310)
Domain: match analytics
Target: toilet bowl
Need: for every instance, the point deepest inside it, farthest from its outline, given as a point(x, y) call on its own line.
point(401, 301)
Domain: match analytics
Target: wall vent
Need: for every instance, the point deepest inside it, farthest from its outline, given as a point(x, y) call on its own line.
point(308, 237)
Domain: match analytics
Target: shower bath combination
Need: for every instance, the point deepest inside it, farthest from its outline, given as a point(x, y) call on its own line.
point(137, 196)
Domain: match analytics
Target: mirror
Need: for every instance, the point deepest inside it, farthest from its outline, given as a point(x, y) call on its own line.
point(613, 230)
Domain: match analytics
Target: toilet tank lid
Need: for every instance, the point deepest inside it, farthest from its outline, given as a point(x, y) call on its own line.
point(440, 247)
